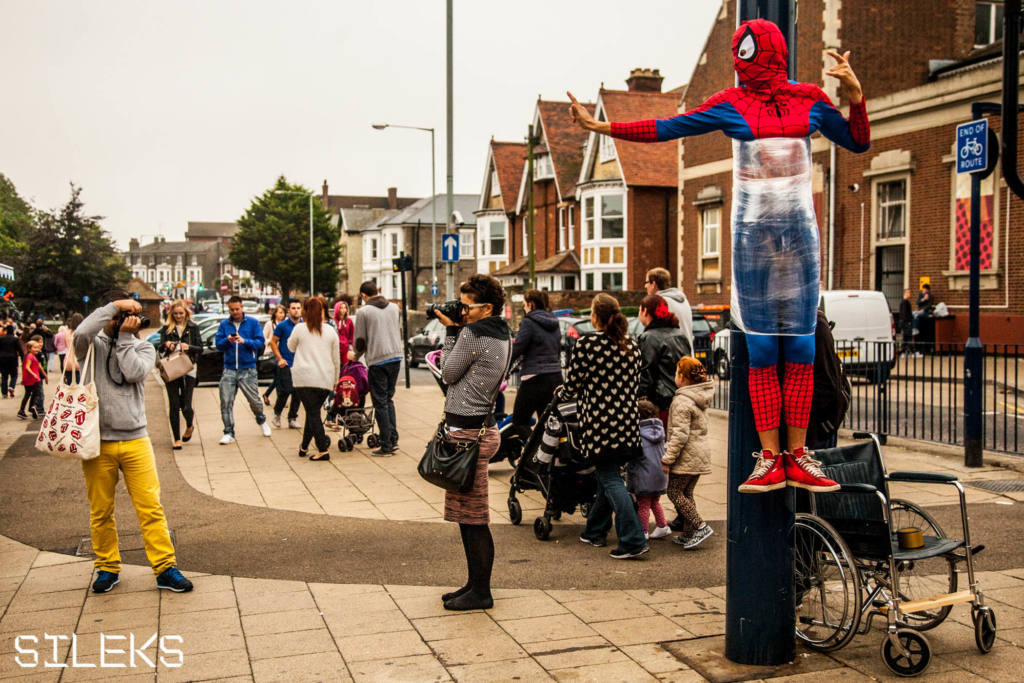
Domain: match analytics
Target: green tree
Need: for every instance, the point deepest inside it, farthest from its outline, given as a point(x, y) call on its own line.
point(272, 241)
point(15, 221)
point(67, 255)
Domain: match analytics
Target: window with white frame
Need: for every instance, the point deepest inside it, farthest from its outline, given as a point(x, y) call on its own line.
point(711, 230)
point(495, 187)
point(371, 249)
point(525, 244)
point(891, 200)
point(466, 247)
point(572, 227)
point(195, 260)
point(561, 229)
point(394, 244)
point(396, 287)
point(542, 167)
point(606, 149)
point(988, 22)
point(603, 243)
point(493, 237)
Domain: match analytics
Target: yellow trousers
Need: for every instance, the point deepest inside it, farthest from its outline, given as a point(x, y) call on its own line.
point(136, 460)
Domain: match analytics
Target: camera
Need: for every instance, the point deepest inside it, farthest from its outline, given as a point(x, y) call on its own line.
point(450, 309)
point(119, 320)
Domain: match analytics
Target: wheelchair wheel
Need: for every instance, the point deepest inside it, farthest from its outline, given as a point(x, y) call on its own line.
point(984, 628)
point(921, 579)
point(515, 510)
point(919, 658)
point(826, 585)
point(542, 528)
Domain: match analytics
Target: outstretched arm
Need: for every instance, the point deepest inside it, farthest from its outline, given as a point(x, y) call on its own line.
point(716, 113)
point(853, 134)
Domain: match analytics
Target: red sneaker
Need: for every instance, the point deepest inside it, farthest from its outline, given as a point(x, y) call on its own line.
point(768, 474)
point(803, 471)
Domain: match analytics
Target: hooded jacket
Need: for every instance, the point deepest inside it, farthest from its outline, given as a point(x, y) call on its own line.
point(644, 476)
point(661, 347)
point(686, 448)
point(538, 342)
point(243, 355)
point(378, 334)
point(678, 304)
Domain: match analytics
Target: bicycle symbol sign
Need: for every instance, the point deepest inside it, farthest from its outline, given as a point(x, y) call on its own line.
point(972, 146)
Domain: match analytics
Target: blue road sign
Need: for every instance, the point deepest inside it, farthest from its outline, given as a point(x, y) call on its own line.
point(85, 298)
point(972, 146)
point(434, 289)
point(450, 246)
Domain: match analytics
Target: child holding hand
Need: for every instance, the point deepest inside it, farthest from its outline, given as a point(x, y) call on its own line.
point(687, 455)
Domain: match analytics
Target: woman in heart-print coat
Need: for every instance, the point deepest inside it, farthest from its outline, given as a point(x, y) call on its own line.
point(603, 377)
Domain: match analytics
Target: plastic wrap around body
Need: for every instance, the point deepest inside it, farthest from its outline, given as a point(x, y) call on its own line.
point(775, 255)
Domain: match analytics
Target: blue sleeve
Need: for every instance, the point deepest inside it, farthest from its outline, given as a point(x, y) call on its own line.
point(705, 119)
point(255, 342)
point(830, 121)
point(222, 337)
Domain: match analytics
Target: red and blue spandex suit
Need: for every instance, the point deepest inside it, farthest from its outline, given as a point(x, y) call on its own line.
point(767, 105)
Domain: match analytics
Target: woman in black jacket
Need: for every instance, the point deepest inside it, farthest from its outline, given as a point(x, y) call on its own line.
point(179, 333)
point(662, 344)
point(538, 343)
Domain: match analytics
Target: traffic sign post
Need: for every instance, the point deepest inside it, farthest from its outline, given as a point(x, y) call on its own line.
point(434, 289)
point(972, 146)
point(450, 247)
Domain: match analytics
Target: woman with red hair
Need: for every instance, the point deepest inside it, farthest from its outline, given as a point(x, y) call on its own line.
point(662, 344)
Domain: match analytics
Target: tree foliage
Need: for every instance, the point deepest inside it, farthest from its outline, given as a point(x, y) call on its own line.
point(273, 240)
point(67, 255)
point(15, 221)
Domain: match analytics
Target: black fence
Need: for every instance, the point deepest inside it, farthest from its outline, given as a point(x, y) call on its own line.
point(919, 394)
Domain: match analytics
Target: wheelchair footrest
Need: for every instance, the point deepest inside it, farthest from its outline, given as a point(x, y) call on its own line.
point(935, 602)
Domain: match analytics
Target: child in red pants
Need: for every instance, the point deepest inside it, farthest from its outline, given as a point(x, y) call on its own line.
point(644, 476)
point(32, 375)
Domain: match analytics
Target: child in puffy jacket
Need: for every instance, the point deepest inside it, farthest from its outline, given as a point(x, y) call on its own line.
point(687, 455)
point(644, 476)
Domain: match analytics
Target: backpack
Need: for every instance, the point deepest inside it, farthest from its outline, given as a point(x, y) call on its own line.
point(832, 390)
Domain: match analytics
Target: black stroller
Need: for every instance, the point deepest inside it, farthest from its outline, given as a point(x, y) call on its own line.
point(551, 463)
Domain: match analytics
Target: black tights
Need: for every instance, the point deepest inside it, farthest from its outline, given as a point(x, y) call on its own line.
point(479, 546)
point(179, 400)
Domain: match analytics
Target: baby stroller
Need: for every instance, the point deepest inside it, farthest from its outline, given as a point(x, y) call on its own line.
point(504, 422)
point(551, 464)
point(349, 411)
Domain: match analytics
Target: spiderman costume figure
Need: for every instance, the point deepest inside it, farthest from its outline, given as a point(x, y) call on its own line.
point(774, 230)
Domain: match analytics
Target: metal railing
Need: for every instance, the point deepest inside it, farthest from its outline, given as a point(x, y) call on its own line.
point(918, 392)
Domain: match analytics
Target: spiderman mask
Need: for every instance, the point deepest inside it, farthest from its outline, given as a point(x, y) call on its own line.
point(760, 55)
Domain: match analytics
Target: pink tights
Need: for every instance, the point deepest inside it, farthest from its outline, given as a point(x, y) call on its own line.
point(647, 505)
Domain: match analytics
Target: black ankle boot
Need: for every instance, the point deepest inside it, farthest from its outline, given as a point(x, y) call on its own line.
point(469, 600)
point(454, 594)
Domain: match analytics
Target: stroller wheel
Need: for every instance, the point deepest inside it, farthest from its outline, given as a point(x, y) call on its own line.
point(372, 441)
point(542, 528)
point(515, 511)
point(341, 445)
point(585, 510)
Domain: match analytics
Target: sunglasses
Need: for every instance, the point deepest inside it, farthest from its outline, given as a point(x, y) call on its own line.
point(469, 306)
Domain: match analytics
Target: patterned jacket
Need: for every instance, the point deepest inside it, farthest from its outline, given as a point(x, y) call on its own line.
point(473, 364)
point(603, 380)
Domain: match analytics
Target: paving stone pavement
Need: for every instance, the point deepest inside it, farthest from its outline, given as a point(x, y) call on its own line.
point(236, 628)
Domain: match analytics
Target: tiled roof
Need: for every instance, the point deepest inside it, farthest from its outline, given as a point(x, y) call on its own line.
point(145, 292)
point(174, 248)
point(565, 140)
point(562, 262)
point(644, 164)
point(508, 162)
point(211, 229)
point(357, 220)
point(421, 212)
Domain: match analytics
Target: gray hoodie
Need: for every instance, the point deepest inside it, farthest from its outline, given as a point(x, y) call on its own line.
point(122, 408)
point(378, 333)
point(678, 304)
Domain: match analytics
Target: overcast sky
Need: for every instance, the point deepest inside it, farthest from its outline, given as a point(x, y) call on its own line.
point(166, 112)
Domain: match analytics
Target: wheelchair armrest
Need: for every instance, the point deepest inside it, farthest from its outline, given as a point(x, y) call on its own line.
point(857, 488)
point(922, 477)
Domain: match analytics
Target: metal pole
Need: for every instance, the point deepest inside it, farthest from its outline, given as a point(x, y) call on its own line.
point(311, 245)
point(450, 284)
point(973, 352)
point(433, 220)
point(405, 322)
point(532, 282)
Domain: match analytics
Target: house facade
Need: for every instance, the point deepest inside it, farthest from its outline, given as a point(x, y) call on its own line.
point(895, 216)
point(173, 269)
point(495, 214)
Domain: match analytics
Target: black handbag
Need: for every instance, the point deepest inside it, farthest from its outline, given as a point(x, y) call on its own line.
point(452, 464)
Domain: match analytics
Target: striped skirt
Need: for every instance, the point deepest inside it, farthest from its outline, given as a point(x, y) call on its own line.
point(472, 507)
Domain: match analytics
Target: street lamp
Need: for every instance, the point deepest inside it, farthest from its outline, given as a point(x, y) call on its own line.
point(310, 195)
point(433, 204)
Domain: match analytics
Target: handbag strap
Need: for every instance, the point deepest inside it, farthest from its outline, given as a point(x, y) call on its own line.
point(88, 365)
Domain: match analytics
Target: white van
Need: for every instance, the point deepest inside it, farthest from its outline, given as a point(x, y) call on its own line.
point(864, 332)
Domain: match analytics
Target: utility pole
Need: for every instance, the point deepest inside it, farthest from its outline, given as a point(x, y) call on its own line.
point(450, 274)
point(530, 258)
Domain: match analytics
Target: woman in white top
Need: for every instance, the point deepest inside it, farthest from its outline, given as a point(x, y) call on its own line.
point(314, 372)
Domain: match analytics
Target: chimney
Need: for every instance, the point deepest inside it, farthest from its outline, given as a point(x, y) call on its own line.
point(644, 80)
point(392, 198)
point(324, 200)
point(133, 244)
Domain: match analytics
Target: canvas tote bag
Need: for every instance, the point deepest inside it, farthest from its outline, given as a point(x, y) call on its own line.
point(71, 426)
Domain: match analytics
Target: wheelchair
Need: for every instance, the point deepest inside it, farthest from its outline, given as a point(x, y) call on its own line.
point(850, 565)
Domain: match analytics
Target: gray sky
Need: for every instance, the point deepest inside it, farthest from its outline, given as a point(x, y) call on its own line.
point(166, 112)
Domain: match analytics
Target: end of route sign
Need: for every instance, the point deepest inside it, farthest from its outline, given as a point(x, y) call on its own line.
point(972, 146)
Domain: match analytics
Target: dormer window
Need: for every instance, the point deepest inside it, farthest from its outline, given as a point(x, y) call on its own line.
point(988, 22)
point(542, 167)
point(495, 187)
point(606, 150)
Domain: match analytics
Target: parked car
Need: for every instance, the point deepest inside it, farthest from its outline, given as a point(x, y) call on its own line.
point(863, 332)
point(428, 338)
point(572, 328)
point(703, 338)
point(211, 361)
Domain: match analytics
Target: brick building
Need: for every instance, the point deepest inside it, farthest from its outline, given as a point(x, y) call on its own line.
point(899, 209)
point(496, 212)
point(627, 191)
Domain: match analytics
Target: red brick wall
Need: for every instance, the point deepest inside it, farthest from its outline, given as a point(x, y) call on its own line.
point(690, 242)
point(651, 239)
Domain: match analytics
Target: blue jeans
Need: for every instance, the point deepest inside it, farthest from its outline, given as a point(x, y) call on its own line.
point(612, 495)
point(230, 382)
point(383, 377)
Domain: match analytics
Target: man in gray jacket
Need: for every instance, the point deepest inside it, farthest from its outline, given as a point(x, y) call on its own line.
point(122, 362)
point(659, 282)
point(378, 337)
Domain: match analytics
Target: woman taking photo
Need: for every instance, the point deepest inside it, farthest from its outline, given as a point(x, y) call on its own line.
point(602, 377)
point(277, 315)
point(314, 372)
point(180, 334)
point(473, 364)
point(662, 344)
point(538, 343)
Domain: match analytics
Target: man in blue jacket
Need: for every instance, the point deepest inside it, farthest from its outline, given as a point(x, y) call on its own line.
point(240, 337)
